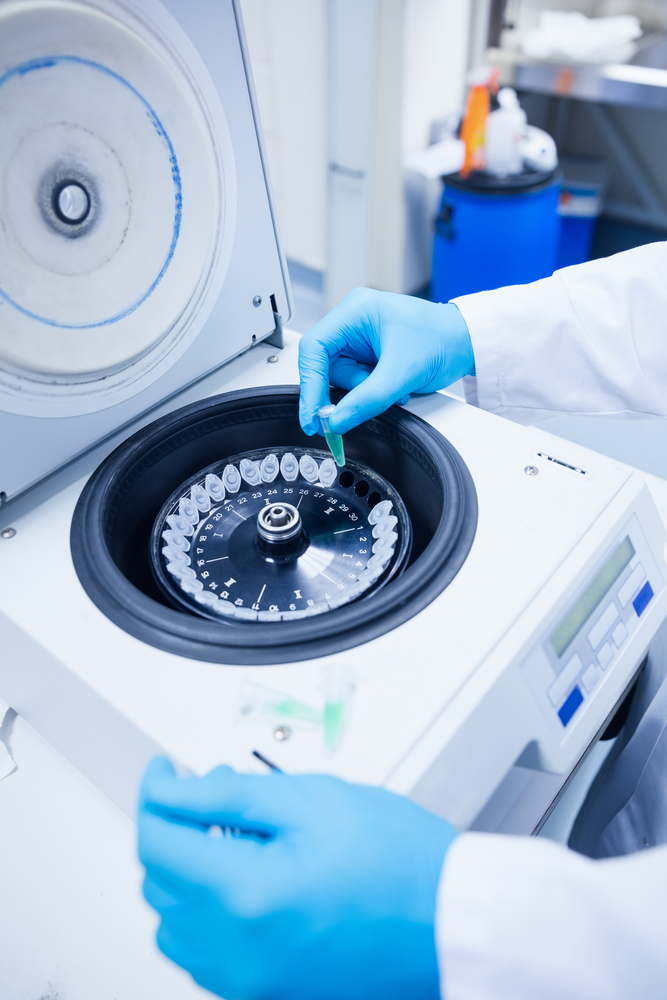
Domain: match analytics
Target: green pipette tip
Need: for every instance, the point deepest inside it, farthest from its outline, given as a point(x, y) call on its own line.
point(334, 719)
point(335, 441)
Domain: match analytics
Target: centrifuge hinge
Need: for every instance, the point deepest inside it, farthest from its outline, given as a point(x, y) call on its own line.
point(276, 338)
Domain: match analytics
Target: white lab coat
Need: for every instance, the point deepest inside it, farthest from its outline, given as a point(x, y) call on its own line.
point(526, 919)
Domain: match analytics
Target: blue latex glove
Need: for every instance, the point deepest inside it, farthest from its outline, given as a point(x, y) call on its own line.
point(328, 892)
point(382, 347)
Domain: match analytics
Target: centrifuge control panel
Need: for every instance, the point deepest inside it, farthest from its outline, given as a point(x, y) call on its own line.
point(585, 640)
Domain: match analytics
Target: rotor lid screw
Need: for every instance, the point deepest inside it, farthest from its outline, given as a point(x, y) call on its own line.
point(7, 532)
point(257, 301)
point(282, 733)
point(278, 516)
point(531, 470)
point(278, 523)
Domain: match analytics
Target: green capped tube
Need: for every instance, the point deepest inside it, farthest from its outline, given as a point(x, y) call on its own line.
point(335, 441)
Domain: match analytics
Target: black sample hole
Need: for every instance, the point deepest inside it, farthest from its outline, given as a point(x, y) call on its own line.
point(373, 499)
point(362, 488)
point(346, 479)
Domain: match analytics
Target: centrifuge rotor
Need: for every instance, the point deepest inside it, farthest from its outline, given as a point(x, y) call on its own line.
point(278, 534)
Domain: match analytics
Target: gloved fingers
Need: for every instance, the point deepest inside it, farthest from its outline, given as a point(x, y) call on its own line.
point(160, 770)
point(171, 945)
point(346, 373)
point(158, 896)
point(223, 797)
point(180, 858)
point(341, 332)
point(388, 383)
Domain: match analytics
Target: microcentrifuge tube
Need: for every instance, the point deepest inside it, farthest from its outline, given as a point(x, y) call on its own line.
point(379, 511)
point(231, 479)
point(309, 468)
point(200, 498)
point(188, 510)
point(214, 488)
point(289, 467)
point(328, 473)
point(335, 441)
point(250, 472)
point(269, 469)
point(180, 524)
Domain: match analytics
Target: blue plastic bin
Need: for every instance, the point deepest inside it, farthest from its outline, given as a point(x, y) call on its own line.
point(581, 198)
point(495, 231)
point(576, 239)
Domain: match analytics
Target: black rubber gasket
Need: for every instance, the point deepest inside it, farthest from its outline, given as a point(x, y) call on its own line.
point(112, 523)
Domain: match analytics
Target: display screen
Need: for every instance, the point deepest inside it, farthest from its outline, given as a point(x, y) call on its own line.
point(592, 596)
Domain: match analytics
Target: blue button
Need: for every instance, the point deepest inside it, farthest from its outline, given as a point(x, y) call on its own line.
point(643, 598)
point(571, 705)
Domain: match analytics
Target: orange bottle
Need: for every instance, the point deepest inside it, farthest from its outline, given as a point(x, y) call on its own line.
point(482, 81)
point(473, 127)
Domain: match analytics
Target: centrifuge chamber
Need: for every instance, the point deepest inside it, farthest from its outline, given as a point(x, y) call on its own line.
point(111, 529)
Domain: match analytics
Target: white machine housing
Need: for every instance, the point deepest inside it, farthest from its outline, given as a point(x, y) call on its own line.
point(445, 705)
point(445, 708)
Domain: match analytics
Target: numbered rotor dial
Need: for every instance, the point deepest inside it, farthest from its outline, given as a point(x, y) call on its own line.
point(277, 535)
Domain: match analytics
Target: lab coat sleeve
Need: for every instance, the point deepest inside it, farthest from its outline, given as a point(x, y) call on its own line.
point(589, 339)
point(522, 918)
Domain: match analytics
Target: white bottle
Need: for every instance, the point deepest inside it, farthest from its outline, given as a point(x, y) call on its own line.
point(505, 129)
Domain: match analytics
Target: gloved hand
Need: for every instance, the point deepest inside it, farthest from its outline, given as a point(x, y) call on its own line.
point(382, 347)
point(328, 891)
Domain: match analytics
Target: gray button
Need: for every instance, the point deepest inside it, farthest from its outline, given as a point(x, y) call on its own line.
point(605, 656)
point(602, 626)
point(590, 678)
point(620, 634)
point(565, 679)
point(631, 585)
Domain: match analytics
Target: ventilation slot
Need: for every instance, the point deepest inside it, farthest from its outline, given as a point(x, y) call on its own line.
point(564, 465)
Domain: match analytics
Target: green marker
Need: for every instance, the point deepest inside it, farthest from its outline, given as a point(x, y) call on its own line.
point(335, 441)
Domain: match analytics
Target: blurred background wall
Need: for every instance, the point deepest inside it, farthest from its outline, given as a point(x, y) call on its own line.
point(349, 89)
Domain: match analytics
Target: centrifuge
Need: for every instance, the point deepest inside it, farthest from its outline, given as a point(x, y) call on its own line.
point(453, 609)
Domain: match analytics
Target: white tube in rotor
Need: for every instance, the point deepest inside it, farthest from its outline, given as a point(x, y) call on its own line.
point(172, 554)
point(176, 541)
point(231, 479)
point(181, 572)
point(180, 524)
point(384, 526)
point(250, 472)
point(214, 488)
point(206, 597)
point(289, 467)
point(328, 472)
point(379, 511)
point(380, 559)
point(385, 541)
point(200, 497)
point(188, 510)
point(269, 468)
point(310, 470)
